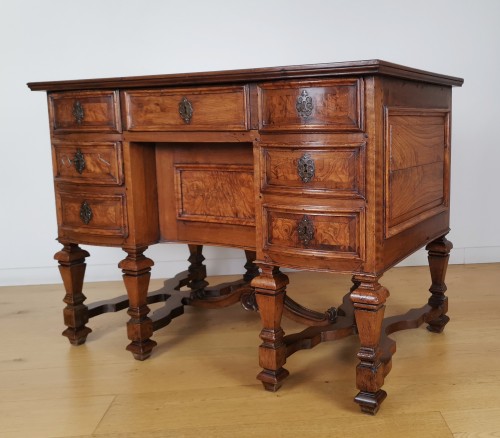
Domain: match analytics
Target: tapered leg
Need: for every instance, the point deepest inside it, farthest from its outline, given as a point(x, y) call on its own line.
point(136, 269)
point(438, 255)
point(270, 292)
point(72, 268)
point(369, 304)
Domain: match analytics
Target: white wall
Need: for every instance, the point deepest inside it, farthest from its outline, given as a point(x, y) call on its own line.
point(62, 39)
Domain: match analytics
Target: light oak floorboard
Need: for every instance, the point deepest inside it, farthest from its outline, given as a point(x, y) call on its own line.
point(200, 380)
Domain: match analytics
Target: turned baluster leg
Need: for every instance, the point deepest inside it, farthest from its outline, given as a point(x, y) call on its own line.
point(438, 255)
point(270, 293)
point(368, 300)
point(136, 269)
point(252, 270)
point(72, 268)
point(197, 270)
point(248, 299)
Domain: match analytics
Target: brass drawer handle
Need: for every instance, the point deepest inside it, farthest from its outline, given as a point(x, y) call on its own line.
point(79, 161)
point(306, 168)
point(78, 112)
point(304, 104)
point(305, 230)
point(186, 110)
point(86, 213)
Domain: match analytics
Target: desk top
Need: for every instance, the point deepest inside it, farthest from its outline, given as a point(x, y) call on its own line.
point(336, 69)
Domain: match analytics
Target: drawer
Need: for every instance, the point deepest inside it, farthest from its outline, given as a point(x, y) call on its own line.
point(98, 163)
point(324, 232)
point(326, 170)
point(187, 109)
point(333, 105)
point(91, 213)
point(84, 111)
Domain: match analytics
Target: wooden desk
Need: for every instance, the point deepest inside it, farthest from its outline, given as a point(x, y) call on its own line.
point(340, 167)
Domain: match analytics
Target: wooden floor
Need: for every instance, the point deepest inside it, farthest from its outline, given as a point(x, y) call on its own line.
point(200, 381)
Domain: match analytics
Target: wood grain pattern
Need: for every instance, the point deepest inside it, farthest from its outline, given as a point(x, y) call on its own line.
point(415, 190)
point(416, 140)
point(209, 193)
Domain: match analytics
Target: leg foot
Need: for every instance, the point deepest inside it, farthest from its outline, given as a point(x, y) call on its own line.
point(437, 325)
point(141, 350)
point(72, 268)
point(136, 273)
point(77, 337)
point(370, 402)
point(270, 293)
point(272, 380)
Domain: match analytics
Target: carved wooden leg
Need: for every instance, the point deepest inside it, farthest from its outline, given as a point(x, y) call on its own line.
point(270, 292)
point(248, 299)
point(368, 300)
point(197, 270)
point(72, 268)
point(252, 270)
point(439, 253)
point(136, 269)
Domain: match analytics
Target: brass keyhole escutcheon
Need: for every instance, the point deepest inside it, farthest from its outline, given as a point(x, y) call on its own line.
point(86, 213)
point(306, 168)
point(79, 161)
point(78, 112)
point(304, 104)
point(186, 110)
point(305, 230)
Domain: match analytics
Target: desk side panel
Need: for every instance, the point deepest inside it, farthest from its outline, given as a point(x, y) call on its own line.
point(414, 139)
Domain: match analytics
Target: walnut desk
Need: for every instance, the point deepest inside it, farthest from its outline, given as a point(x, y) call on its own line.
point(341, 167)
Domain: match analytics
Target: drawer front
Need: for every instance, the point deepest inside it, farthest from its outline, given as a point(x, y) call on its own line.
point(84, 111)
point(97, 163)
point(327, 170)
point(189, 109)
point(92, 214)
point(306, 231)
point(334, 105)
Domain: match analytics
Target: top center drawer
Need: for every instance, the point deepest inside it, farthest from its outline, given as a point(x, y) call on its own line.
point(187, 109)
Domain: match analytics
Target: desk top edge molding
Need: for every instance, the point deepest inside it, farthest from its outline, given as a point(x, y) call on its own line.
point(337, 69)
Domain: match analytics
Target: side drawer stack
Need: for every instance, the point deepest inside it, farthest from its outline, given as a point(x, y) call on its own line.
point(312, 189)
point(88, 170)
